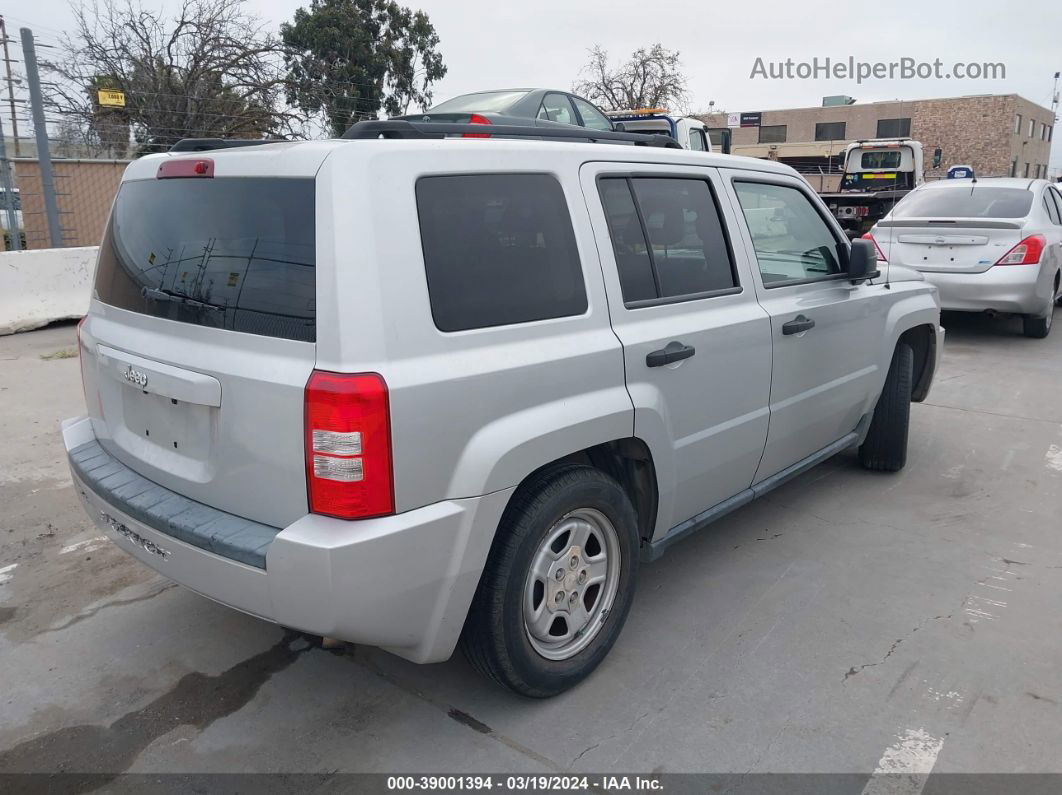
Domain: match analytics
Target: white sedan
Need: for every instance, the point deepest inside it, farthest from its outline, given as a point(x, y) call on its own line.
point(989, 245)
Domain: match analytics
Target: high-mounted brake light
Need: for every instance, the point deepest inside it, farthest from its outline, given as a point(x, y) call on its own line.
point(348, 445)
point(877, 248)
point(1027, 252)
point(477, 119)
point(177, 169)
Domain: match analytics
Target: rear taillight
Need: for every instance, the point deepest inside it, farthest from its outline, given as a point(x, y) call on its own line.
point(477, 119)
point(1027, 252)
point(348, 445)
point(877, 248)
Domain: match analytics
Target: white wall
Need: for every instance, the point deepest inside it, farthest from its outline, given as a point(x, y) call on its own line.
point(38, 287)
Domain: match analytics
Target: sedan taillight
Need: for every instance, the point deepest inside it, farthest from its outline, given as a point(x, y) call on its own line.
point(1027, 252)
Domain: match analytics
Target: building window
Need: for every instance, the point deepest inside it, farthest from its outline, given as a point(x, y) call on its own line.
point(1043, 132)
point(894, 128)
point(1017, 124)
point(1032, 127)
point(1026, 169)
point(1014, 167)
point(775, 134)
point(829, 131)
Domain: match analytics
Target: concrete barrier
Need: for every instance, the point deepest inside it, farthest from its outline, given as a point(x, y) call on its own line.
point(42, 286)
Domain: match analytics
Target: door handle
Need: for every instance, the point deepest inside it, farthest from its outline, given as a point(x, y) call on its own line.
point(798, 325)
point(672, 352)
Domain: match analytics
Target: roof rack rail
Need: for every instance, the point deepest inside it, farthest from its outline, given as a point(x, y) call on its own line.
point(397, 128)
point(205, 144)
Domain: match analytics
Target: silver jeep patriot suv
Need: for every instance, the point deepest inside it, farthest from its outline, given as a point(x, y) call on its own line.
point(417, 391)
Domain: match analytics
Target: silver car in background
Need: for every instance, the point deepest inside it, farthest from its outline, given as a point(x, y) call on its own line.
point(989, 245)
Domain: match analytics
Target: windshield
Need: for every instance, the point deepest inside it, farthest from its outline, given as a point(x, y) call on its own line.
point(234, 253)
point(965, 201)
point(485, 101)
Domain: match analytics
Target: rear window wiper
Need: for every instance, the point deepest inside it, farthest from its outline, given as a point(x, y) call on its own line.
point(158, 294)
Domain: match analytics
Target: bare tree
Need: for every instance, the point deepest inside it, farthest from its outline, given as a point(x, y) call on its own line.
point(649, 79)
point(210, 71)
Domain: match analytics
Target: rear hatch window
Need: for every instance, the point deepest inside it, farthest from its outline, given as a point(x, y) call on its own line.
point(234, 253)
point(966, 202)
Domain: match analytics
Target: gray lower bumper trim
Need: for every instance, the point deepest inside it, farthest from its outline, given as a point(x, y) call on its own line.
point(169, 512)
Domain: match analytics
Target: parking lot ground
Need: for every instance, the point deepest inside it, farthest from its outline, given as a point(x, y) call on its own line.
point(848, 620)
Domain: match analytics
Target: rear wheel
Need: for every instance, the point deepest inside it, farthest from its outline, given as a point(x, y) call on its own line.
point(558, 584)
point(1038, 327)
point(885, 448)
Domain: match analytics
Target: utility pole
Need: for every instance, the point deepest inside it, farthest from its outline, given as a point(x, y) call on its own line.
point(40, 130)
point(8, 186)
point(10, 84)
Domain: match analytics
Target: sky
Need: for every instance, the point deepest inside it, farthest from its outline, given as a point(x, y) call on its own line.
point(497, 44)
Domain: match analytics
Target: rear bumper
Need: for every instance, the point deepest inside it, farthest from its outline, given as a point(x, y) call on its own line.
point(401, 582)
point(1008, 288)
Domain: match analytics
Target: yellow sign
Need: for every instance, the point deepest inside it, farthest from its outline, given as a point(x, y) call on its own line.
point(114, 99)
point(879, 176)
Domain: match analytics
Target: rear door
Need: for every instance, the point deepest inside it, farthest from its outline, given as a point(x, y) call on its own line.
point(824, 328)
point(202, 334)
point(696, 345)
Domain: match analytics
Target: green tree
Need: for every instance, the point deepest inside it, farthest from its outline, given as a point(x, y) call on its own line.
point(349, 59)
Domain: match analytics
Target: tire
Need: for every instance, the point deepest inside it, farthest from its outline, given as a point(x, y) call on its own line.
point(885, 448)
point(1038, 327)
point(497, 639)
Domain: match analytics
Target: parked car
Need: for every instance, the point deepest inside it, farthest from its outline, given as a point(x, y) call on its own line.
point(989, 245)
point(459, 398)
point(516, 106)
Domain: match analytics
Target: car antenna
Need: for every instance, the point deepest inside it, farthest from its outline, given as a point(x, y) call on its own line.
point(888, 259)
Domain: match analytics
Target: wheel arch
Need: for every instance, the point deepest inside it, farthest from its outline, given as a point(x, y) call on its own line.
point(923, 342)
point(629, 461)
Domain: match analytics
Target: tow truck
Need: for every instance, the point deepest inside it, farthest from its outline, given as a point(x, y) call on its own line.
point(690, 132)
point(877, 173)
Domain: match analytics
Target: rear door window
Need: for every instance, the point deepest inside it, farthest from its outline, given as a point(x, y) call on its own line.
point(498, 249)
point(556, 107)
point(1054, 206)
point(233, 253)
point(668, 238)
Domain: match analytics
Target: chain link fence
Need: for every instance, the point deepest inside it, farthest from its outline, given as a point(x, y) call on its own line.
point(84, 191)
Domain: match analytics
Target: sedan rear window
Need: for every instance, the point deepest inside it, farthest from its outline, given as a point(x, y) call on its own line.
point(485, 101)
point(232, 253)
point(965, 201)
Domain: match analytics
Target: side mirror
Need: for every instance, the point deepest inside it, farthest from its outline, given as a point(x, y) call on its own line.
point(619, 126)
point(862, 261)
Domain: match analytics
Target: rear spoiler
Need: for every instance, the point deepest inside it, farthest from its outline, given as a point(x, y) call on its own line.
point(952, 223)
point(206, 144)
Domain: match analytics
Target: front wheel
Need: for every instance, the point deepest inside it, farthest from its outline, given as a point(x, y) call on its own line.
point(885, 448)
point(558, 583)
